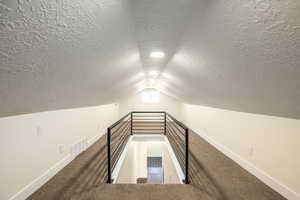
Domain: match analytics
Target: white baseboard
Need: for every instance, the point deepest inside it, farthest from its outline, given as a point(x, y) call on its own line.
point(29, 189)
point(41, 180)
point(260, 174)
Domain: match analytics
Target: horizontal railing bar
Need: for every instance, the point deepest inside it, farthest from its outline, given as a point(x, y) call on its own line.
point(148, 112)
point(127, 119)
point(180, 135)
point(144, 133)
point(123, 131)
point(174, 126)
point(153, 118)
point(178, 155)
point(148, 129)
point(150, 115)
point(148, 122)
point(177, 127)
point(178, 122)
point(177, 136)
point(117, 142)
point(126, 123)
point(120, 145)
point(115, 160)
point(114, 137)
point(147, 133)
point(148, 125)
point(179, 150)
point(178, 139)
point(145, 126)
point(150, 119)
point(177, 142)
point(117, 145)
point(116, 123)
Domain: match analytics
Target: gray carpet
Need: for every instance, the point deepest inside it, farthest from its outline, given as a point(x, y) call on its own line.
point(213, 177)
point(221, 177)
point(143, 192)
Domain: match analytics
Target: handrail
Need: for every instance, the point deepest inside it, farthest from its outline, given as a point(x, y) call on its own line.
point(178, 122)
point(164, 125)
point(186, 144)
point(117, 122)
point(148, 112)
point(111, 165)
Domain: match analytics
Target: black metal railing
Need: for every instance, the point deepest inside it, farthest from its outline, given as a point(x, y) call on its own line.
point(117, 136)
point(178, 136)
point(148, 122)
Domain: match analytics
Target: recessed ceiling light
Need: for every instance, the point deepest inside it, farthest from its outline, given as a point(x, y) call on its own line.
point(153, 73)
point(157, 54)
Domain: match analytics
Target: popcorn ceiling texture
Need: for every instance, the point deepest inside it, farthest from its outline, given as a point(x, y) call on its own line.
point(64, 54)
point(241, 55)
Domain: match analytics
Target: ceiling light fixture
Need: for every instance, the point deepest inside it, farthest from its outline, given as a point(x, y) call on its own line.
point(157, 54)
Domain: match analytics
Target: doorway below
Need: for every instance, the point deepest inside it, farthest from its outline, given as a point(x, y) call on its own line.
point(148, 159)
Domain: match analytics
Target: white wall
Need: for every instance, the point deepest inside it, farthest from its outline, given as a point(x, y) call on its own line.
point(31, 144)
point(271, 144)
point(170, 174)
point(134, 103)
point(127, 173)
point(135, 163)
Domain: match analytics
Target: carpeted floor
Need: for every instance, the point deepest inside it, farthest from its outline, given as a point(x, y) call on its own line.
point(213, 177)
point(143, 192)
point(221, 177)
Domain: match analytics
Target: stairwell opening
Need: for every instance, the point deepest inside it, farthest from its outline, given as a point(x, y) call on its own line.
point(148, 147)
point(148, 159)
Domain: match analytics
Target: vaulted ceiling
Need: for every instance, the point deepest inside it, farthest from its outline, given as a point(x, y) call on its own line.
point(234, 54)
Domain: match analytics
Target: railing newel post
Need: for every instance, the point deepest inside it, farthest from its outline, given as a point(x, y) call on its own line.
point(187, 181)
point(165, 118)
point(131, 123)
point(109, 180)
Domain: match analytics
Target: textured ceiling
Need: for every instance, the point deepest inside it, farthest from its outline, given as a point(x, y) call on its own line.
point(234, 54)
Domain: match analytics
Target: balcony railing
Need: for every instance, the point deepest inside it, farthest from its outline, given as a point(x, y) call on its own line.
point(148, 122)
